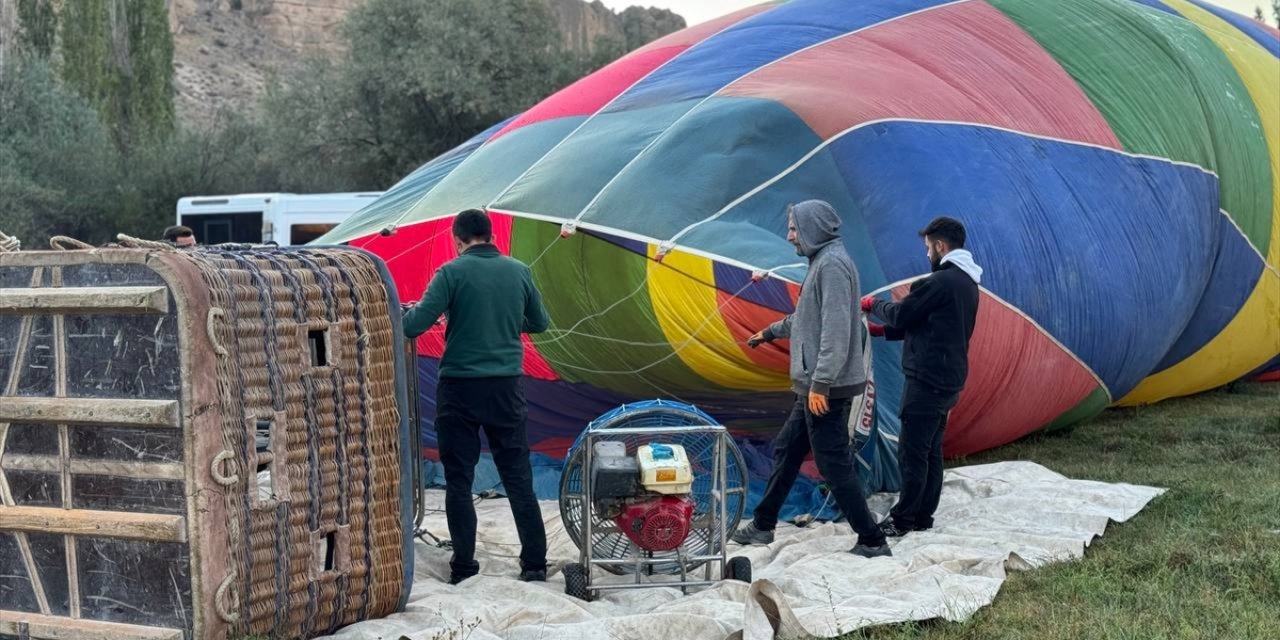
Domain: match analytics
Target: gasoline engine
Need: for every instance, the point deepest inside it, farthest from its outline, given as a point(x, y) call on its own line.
point(646, 495)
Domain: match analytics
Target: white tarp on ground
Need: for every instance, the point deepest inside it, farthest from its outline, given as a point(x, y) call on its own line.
point(1011, 515)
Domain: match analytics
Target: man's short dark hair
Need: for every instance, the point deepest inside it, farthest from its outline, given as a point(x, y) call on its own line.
point(948, 230)
point(172, 234)
point(472, 225)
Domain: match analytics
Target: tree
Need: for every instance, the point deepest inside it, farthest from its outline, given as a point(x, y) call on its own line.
point(315, 131)
point(1275, 11)
point(118, 55)
point(38, 27)
point(1258, 15)
point(641, 26)
point(148, 90)
point(227, 157)
point(419, 78)
point(61, 167)
point(64, 175)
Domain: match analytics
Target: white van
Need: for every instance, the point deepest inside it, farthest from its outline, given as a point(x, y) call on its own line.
point(286, 219)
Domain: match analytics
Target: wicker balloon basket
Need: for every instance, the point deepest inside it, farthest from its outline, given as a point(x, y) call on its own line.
point(205, 443)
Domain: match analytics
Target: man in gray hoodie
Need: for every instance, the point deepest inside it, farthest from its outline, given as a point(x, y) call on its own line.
point(826, 374)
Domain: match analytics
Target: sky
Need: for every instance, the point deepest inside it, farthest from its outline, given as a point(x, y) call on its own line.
point(696, 11)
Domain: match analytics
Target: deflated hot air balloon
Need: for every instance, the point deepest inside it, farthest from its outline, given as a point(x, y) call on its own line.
point(1117, 163)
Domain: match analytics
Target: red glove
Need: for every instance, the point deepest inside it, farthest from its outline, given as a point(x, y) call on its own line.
point(867, 303)
point(876, 330)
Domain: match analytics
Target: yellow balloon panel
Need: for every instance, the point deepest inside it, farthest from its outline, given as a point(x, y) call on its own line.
point(1250, 340)
point(685, 300)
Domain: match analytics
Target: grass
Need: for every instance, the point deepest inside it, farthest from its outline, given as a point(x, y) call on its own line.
point(1201, 561)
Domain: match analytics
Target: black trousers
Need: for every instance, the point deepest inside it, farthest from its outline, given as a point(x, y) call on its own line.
point(828, 437)
point(464, 406)
point(924, 419)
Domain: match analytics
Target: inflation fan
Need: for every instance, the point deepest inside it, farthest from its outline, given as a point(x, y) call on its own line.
point(653, 489)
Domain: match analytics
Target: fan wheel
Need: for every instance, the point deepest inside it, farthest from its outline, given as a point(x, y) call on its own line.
point(575, 581)
point(739, 569)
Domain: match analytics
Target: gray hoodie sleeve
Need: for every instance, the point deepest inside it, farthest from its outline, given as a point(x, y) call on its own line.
point(836, 289)
point(780, 330)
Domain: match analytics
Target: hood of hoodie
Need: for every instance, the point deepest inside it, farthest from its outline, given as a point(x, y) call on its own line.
point(963, 260)
point(817, 225)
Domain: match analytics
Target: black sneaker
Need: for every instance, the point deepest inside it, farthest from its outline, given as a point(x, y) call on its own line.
point(868, 551)
point(891, 530)
point(533, 575)
point(750, 534)
point(455, 578)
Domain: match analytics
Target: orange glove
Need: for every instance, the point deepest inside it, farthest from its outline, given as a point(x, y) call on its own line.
point(818, 404)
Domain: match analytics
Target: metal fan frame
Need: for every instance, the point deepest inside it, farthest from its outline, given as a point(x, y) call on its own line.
point(722, 521)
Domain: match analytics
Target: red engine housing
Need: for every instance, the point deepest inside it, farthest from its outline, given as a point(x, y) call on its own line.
point(660, 524)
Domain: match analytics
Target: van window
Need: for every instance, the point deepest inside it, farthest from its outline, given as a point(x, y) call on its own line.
point(300, 234)
point(217, 228)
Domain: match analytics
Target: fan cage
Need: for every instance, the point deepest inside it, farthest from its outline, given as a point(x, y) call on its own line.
point(607, 541)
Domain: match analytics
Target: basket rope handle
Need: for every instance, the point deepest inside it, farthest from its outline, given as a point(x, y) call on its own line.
point(138, 243)
point(66, 243)
point(210, 321)
point(215, 469)
point(9, 243)
point(220, 600)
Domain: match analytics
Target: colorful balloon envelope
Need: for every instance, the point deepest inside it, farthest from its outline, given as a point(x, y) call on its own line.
point(1116, 162)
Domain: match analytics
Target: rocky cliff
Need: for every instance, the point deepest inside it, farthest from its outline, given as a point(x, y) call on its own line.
point(583, 23)
point(224, 50)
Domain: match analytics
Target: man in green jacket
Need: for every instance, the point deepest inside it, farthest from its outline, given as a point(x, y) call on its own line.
point(489, 300)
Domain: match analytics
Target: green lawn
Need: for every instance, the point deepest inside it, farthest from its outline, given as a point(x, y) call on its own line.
point(1201, 561)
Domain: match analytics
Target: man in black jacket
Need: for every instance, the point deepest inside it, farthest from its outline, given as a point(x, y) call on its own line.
point(936, 321)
